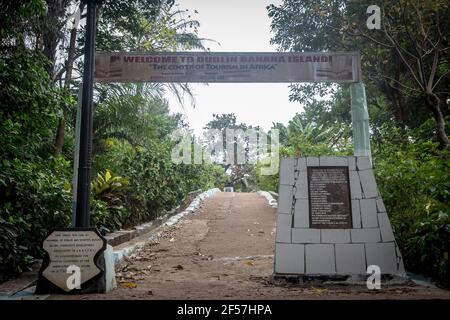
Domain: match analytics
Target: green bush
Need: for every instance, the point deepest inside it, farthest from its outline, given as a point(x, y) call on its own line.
point(35, 194)
point(36, 197)
point(414, 180)
point(14, 257)
point(155, 184)
point(109, 190)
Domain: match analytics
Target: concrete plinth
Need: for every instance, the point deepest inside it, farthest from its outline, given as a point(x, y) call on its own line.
point(302, 250)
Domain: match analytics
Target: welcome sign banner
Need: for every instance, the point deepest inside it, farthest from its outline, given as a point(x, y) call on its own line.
point(228, 67)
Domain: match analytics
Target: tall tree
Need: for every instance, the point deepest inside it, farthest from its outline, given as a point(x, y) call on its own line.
point(407, 60)
point(238, 172)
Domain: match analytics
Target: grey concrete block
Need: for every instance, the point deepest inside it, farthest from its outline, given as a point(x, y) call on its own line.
point(287, 171)
point(301, 221)
point(289, 258)
point(301, 206)
point(301, 164)
point(368, 183)
point(301, 186)
point(387, 235)
point(284, 220)
point(333, 161)
point(312, 161)
point(335, 235)
point(380, 205)
point(119, 237)
point(301, 214)
point(382, 255)
point(351, 163)
point(356, 214)
point(365, 235)
point(350, 259)
point(363, 163)
point(401, 268)
point(355, 185)
point(320, 259)
point(285, 198)
point(283, 234)
point(368, 213)
point(305, 235)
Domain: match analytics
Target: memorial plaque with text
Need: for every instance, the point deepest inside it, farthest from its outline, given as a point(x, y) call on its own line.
point(71, 247)
point(329, 198)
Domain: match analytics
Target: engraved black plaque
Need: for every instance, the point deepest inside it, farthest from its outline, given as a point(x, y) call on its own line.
point(329, 198)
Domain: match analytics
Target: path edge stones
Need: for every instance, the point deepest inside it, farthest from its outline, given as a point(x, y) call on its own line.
point(166, 221)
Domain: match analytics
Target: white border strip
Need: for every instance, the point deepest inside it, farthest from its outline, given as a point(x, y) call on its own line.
point(272, 202)
point(120, 254)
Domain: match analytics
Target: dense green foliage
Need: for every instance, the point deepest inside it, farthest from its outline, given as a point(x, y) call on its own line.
point(147, 182)
point(406, 62)
point(133, 177)
point(414, 180)
point(35, 191)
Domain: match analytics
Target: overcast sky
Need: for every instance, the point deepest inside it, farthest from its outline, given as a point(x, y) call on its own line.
point(238, 25)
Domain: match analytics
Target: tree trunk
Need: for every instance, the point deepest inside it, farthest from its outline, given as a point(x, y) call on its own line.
point(51, 29)
point(395, 94)
point(59, 140)
point(434, 104)
point(397, 104)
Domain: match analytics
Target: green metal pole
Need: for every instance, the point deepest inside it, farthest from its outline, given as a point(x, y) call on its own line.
point(360, 120)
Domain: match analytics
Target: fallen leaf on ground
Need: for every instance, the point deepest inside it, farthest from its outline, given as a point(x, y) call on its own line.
point(132, 269)
point(319, 291)
point(249, 262)
point(129, 285)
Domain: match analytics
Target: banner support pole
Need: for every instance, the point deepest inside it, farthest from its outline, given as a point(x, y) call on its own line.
point(82, 218)
point(360, 120)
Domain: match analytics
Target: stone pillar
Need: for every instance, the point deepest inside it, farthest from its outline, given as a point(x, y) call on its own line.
point(360, 120)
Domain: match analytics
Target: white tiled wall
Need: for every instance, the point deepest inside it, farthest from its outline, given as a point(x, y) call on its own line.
point(302, 250)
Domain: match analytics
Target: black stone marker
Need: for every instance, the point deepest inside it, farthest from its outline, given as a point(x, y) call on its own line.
point(329, 198)
point(66, 248)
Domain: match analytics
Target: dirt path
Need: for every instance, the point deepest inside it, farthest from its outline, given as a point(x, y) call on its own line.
point(225, 250)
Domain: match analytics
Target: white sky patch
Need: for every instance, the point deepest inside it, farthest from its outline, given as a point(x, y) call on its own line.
point(238, 26)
